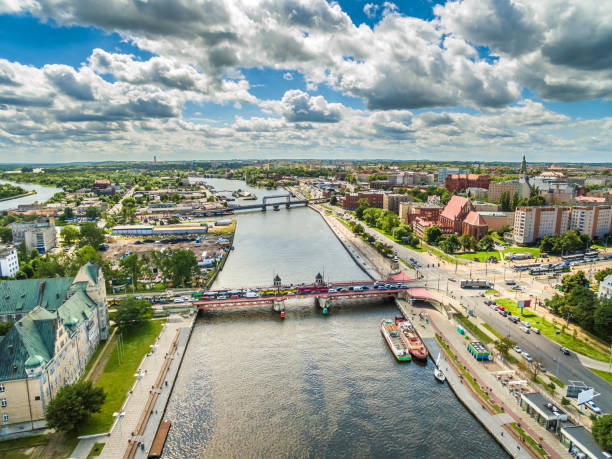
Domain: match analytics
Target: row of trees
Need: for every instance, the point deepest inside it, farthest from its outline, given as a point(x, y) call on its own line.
point(580, 305)
point(179, 266)
point(509, 203)
point(387, 221)
point(451, 243)
point(568, 242)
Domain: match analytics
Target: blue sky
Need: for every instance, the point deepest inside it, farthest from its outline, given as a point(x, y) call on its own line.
point(416, 79)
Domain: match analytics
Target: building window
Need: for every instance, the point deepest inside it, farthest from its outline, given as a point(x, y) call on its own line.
point(5, 417)
point(37, 397)
point(3, 403)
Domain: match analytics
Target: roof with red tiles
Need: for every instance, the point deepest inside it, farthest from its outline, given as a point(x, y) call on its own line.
point(454, 207)
point(474, 219)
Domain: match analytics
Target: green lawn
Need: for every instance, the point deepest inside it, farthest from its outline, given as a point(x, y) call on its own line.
point(473, 328)
point(117, 380)
point(535, 251)
point(549, 330)
point(604, 374)
point(556, 380)
point(23, 442)
point(96, 449)
point(528, 438)
point(480, 255)
point(419, 248)
point(492, 330)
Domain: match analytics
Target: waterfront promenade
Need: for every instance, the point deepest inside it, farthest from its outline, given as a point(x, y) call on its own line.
point(117, 441)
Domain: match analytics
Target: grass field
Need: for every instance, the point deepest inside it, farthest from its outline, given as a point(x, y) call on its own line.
point(117, 380)
point(473, 328)
point(604, 374)
point(482, 256)
point(528, 438)
point(548, 329)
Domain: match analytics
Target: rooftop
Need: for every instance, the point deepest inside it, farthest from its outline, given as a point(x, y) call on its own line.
point(454, 207)
point(583, 439)
point(474, 219)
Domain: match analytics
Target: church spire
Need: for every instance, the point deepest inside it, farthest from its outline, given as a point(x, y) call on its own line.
point(523, 170)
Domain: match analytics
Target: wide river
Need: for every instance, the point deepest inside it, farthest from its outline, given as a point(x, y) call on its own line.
point(254, 386)
point(43, 193)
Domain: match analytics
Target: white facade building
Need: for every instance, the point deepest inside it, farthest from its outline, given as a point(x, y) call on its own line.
point(531, 223)
point(605, 288)
point(596, 221)
point(9, 264)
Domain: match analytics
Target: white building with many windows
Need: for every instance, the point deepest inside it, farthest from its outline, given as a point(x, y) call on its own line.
point(9, 264)
point(594, 220)
point(531, 223)
point(605, 288)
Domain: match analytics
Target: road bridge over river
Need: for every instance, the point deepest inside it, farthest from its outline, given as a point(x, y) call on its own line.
point(287, 202)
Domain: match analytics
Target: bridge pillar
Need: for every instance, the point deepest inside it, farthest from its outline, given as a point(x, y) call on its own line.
point(279, 306)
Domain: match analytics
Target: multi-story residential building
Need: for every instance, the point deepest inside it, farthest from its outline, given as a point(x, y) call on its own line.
point(375, 199)
point(476, 193)
point(59, 323)
point(454, 213)
point(38, 234)
point(485, 206)
point(425, 210)
point(9, 264)
point(444, 172)
point(531, 223)
point(605, 288)
point(392, 201)
point(594, 220)
point(461, 182)
point(497, 220)
point(497, 188)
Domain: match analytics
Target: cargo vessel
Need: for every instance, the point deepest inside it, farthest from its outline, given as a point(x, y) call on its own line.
point(413, 342)
point(392, 335)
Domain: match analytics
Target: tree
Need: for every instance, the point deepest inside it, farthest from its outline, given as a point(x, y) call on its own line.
point(450, 243)
point(92, 213)
point(504, 201)
point(91, 235)
point(601, 275)
point(504, 229)
point(73, 405)
point(133, 267)
point(602, 431)
point(333, 200)
point(535, 369)
point(69, 234)
point(433, 234)
point(5, 327)
point(68, 213)
point(401, 232)
point(516, 199)
point(183, 265)
point(34, 253)
point(358, 228)
point(132, 312)
point(467, 242)
point(503, 345)
point(486, 244)
point(161, 261)
point(6, 234)
point(362, 205)
point(572, 281)
point(22, 252)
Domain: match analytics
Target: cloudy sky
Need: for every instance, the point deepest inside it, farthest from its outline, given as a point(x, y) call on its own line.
point(85, 80)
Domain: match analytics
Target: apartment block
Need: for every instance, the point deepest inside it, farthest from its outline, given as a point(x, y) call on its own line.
point(497, 188)
point(596, 221)
point(9, 265)
point(461, 182)
point(531, 223)
point(444, 172)
point(375, 199)
point(38, 234)
point(392, 201)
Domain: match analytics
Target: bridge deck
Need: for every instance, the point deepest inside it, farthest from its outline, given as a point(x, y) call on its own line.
point(418, 293)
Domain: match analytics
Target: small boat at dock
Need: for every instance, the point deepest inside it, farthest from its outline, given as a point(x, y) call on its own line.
point(437, 372)
point(392, 336)
point(415, 346)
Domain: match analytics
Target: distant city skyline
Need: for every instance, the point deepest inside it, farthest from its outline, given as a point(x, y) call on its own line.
point(469, 80)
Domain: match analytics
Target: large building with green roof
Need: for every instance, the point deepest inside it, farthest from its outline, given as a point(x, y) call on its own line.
point(58, 324)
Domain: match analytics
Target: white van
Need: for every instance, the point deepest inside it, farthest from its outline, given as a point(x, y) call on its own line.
point(526, 330)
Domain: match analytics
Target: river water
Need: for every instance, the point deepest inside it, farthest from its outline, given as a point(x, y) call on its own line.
point(252, 385)
point(43, 193)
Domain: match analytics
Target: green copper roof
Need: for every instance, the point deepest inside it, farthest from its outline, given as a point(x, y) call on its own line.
point(21, 296)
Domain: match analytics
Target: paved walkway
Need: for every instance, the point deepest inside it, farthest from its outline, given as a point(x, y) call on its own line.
point(121, 431)
point(498, 393)
point(594, 364)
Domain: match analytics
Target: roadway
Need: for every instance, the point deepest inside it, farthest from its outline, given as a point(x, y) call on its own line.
point(541, 348)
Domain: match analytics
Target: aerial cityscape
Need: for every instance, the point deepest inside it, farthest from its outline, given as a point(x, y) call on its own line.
point(305, 228)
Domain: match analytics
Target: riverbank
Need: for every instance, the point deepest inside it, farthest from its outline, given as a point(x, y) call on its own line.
point(22, 195)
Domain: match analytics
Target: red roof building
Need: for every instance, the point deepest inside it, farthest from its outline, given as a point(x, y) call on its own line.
point(454, 213)
point(474, 225)
point(461, 182)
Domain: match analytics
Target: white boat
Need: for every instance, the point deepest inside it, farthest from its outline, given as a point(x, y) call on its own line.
point(437, 372)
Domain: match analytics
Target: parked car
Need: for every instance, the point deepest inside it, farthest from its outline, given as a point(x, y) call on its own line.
point(527, 357)
point(565, 350)
point(525, 330)
point(178, 300)
point(452, 279)
point(536, 331)
point(593, 407)
point(518, 349)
